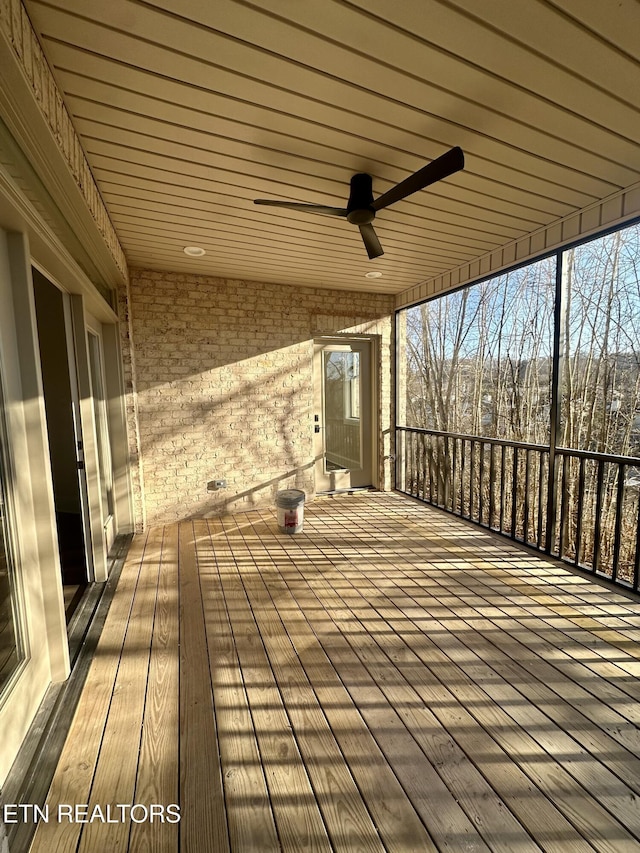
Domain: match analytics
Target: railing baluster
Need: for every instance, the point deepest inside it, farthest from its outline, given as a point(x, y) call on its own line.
point(618, 526)
point(448, 473)
point(412, 480)
point(454, 472)
point(636, 561)
point(481, 483)
point(492, 483)
point(472, 474)
point(428, 466)
point(578, 556)
point(597, 531)
point(527, 470)
point(564, 508)
point(434, 472)
point(540, 487)
point(436, 475)
point(443, 472)
point(514, 494)
point(502, 489)
point(463, 448)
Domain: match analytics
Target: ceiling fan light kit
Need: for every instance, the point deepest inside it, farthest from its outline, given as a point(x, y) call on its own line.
point(361, 207)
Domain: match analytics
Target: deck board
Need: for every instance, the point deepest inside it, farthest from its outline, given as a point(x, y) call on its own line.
point(347, 821)
point(249, 814)
point(299, 829)
point(389, 679)
point(73, 778)
point(114, 781)
point(203, 824)
point(156, 780)
point(397, 823)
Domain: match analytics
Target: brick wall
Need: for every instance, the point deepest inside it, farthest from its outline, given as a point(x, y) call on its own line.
point(222, 386)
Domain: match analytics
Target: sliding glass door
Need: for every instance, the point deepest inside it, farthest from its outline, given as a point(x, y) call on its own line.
point(12, 651)
point(105, 467)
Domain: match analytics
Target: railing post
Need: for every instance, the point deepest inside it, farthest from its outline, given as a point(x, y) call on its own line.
point(399, 479)
point(556, 401)
point(400, 397)
point(636, 561)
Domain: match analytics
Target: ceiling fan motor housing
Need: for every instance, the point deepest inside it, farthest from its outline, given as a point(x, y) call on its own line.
point(359, 209)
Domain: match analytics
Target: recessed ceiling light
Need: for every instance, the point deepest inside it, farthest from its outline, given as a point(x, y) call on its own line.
point(373, 274)
point(194, 251)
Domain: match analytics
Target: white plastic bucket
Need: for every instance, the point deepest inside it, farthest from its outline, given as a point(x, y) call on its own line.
point(290, 506)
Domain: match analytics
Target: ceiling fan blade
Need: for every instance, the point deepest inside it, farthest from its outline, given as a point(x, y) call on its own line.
point(440, 168)
point(371, 242)
point(305, 208)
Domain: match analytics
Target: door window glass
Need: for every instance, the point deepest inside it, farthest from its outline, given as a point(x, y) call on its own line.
point(102, 426)
point(343, 445)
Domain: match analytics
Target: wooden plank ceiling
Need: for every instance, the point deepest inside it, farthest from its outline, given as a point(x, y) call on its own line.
point(190, 109)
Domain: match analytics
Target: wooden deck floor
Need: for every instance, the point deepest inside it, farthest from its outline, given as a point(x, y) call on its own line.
point(389, 679)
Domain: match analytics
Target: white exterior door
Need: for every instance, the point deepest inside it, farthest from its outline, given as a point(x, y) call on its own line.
point(343, 417)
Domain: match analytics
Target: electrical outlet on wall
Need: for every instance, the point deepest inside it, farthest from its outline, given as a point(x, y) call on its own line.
point(214, 485)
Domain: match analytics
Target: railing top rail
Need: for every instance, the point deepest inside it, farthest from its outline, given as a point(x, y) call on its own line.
point(599, 457)
point(543, 448)
point(501, 442)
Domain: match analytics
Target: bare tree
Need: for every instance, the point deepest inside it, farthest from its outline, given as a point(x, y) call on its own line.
point(479, 362)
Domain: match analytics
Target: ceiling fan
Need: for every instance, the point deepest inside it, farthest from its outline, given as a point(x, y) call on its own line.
point(361, 208)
